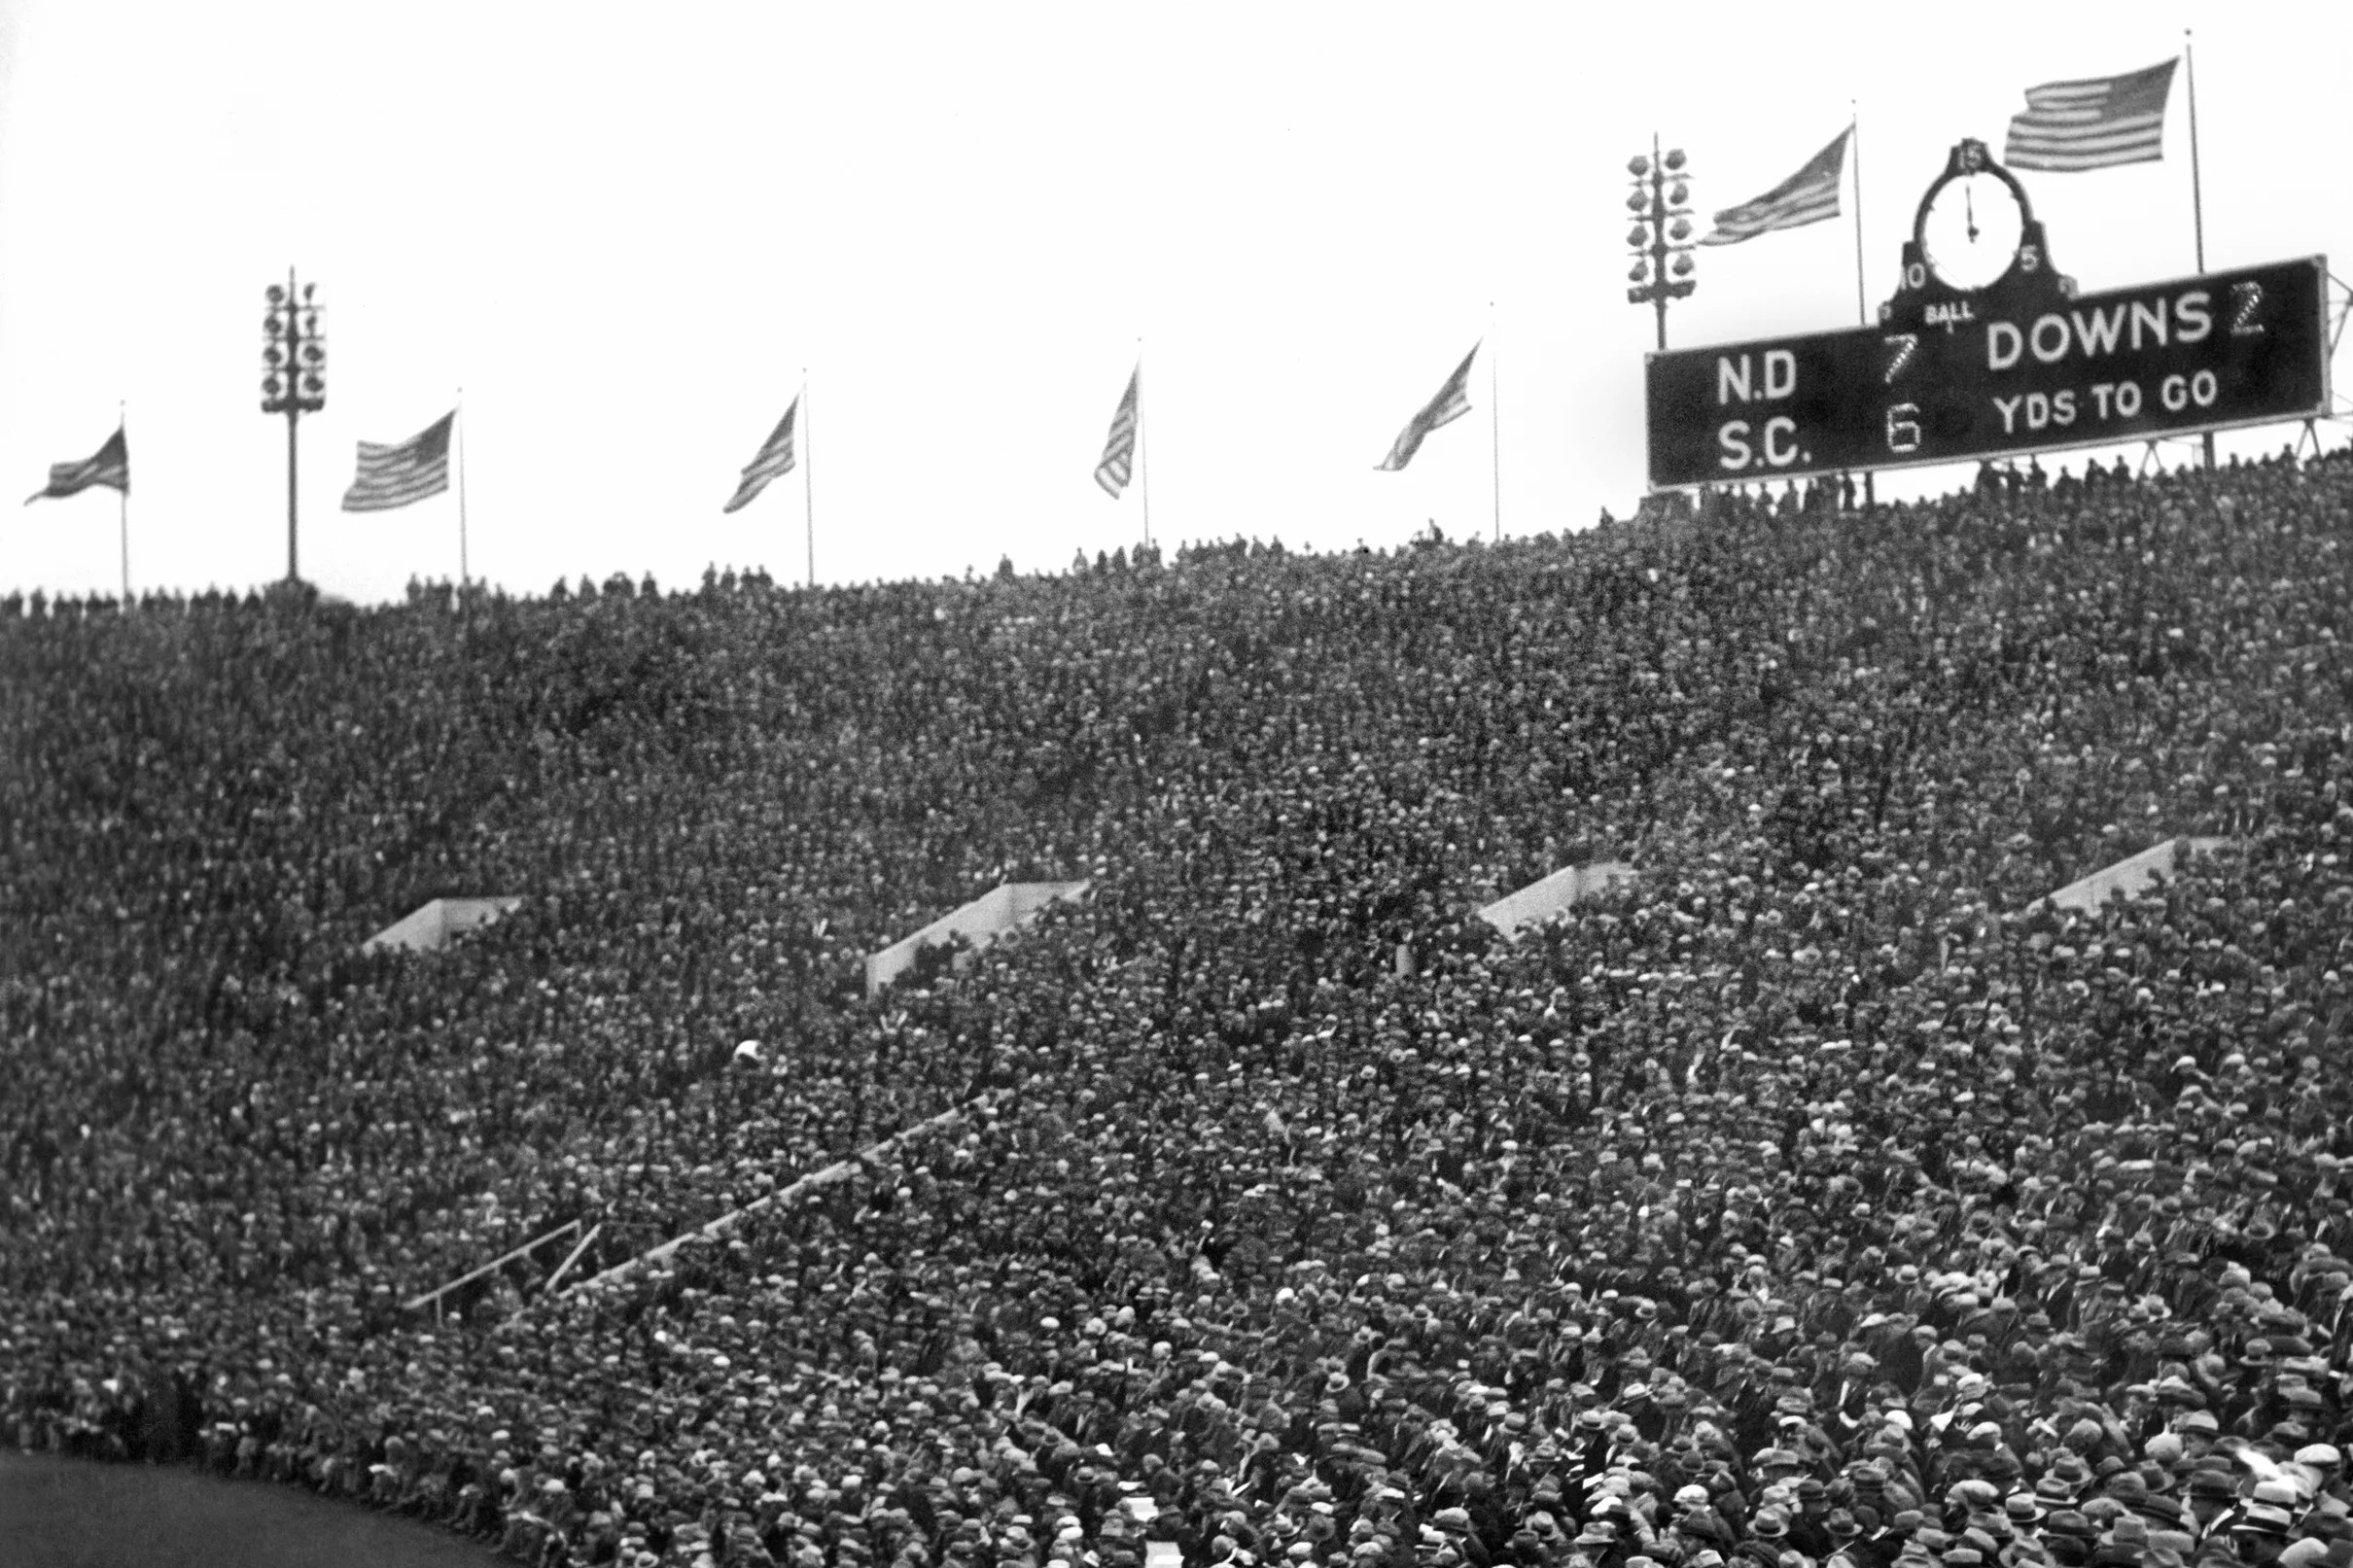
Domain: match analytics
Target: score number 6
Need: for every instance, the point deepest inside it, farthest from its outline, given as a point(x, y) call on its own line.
point(1903, 426)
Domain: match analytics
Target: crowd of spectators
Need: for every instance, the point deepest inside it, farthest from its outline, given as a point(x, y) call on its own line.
point(1817, 1198)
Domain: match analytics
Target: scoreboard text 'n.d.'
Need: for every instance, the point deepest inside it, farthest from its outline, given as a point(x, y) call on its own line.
point(1996, 356)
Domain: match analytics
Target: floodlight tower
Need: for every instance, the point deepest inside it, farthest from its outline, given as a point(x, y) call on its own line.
point(294, 375)
point(1661, 232)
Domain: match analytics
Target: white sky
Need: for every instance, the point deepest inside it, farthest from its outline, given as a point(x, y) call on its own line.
point(625, 229)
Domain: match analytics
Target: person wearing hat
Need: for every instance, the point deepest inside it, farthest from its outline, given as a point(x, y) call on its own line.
point(2258, 1532)
point(1850, 1548)
point(1553, 1544)
point(1454, 1523)
point(2208, 1494)
point(1858, 1376)
point(2069, 1525)
point(2123, 1544)
point(1978, 1452)
point(2311, 1551)
point(2198, 1430)
point(1809, 1530)
point(1599, 1545)
point(1768, 1538)
point(2166, 1516)
point(1701, 1519)
point(2326, 1463)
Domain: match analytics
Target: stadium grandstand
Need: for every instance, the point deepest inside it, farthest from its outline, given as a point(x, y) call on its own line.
point(1817, 1193)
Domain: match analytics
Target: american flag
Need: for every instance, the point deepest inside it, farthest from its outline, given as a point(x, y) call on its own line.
point(1808, 196)
point(110, 465)
point(773, 460)
point(408, 471)
point(1118, 463)
point(1444, 409)
point(2092, 124)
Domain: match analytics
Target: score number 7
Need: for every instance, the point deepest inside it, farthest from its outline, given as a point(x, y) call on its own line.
point(1903, 418)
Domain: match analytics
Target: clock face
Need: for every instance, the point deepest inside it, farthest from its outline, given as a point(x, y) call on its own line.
point(1971, 231)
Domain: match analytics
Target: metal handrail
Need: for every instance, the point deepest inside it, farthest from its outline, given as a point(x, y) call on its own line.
point(495, 1263)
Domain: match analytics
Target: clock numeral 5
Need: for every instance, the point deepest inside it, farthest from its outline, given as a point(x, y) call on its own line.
point(1903, 429)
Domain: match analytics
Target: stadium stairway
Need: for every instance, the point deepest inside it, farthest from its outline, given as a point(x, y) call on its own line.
point(792, 1193)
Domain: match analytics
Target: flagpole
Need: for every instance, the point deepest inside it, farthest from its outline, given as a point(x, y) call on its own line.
point(2197, 195)
point(1862, 310)
point(1494, 421)
point(808, 478)
point(1854, 155)
point(465, 566)
point(2197, 198)
point(1143, 472)
point(122, 497)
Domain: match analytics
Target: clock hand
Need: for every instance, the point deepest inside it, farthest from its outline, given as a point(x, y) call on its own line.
point(1969, 201)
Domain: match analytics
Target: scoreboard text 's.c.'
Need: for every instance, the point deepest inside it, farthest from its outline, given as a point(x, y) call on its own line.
point(2248, 346)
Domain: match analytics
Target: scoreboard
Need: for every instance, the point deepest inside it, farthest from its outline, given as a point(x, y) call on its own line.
point(2021, 364)
point(2245, 347)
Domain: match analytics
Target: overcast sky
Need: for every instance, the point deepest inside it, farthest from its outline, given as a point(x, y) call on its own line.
point(625, 230)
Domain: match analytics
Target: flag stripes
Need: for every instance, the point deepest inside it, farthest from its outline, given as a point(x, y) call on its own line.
point(1118, 463)
point(773, 459)
point(108, 465)
point(2094, 124)
point(1808, 197)
point(1449, 405)
point(403, 472)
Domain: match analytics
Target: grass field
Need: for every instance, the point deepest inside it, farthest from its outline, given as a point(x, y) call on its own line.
point(71, 1514)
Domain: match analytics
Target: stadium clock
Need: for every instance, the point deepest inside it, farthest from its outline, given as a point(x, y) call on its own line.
point(1972, 228)
point(1974, 246)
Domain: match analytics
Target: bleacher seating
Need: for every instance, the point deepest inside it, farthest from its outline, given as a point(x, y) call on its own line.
point(1815, 1194)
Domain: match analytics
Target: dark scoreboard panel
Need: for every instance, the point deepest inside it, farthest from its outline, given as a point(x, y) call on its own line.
point(2243, 347)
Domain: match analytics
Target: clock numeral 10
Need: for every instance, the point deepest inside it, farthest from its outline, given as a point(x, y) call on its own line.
point(1903, 429)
